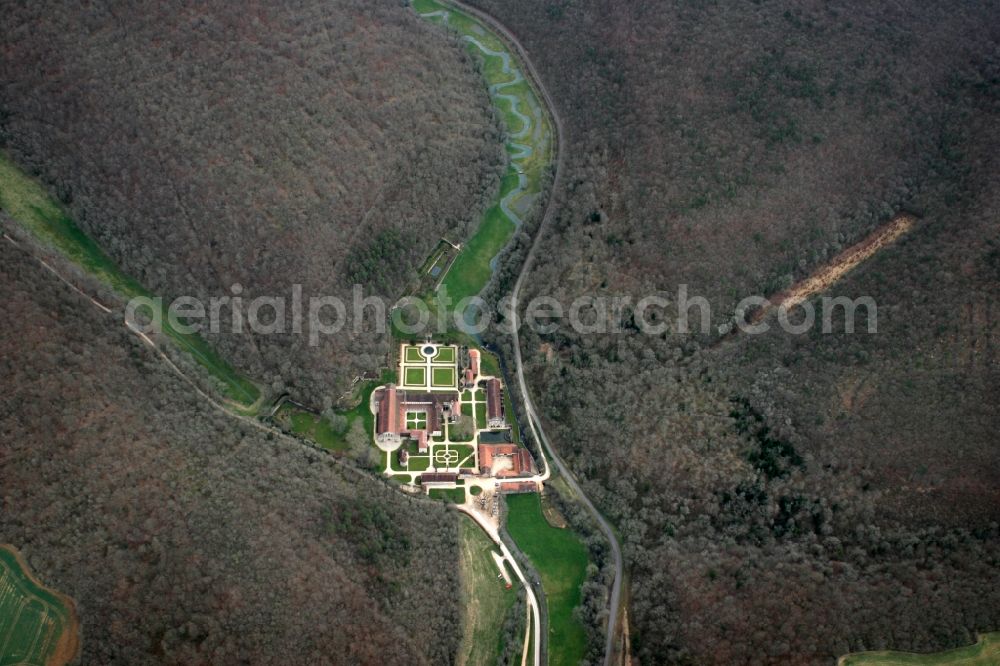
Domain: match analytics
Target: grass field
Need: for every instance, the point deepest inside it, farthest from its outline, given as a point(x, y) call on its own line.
point(464, 450)
point(445, 457)
point(413, 354)
point(315, 428)
point(444, 355)
point(508, 406)
point(561, 561)
point(986, 652)
point(443, 377)
point(414, 376)
point(488, 364)
point(455, 455)
point(318, 429)
point(37, 625)
point(28, 203)
point(486, 601)
point(471, 270)
point(394, 463)
point(449, 495)
point(419, 463)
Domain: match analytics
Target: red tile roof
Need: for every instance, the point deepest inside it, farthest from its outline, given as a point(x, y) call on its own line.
point(519, 487)
point(388, 411)
point(439, 477)
point(494, 399)
point(521, 461)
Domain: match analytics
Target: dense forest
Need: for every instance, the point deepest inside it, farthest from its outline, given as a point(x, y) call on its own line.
point(210, 144)
point(186, 537)
point(782, 499)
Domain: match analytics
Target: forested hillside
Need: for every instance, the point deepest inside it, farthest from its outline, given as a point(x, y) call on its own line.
point(262, 144)
point(186, 537)
point(781, 499)
point(748, 141)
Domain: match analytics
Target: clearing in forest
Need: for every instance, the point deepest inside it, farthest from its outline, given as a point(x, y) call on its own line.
point(561, 560)
point(840, 265)
point(986, 652)
point(487, 601)
point(37, 625)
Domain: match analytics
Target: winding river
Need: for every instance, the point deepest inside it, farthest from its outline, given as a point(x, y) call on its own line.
point(529, 142)
point(530, 151)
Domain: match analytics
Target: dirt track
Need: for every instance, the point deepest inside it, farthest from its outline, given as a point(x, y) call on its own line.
point(840, 265)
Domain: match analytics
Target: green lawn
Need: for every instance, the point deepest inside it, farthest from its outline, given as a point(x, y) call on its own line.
point(488, 364)
point(415, 376)
point(509, 413)
point(324, 435)
point(36, 624)
point(986, 652)
point(394, 463)
point(444, 457)
point(561, 560)
point(449, 495)
point(413, 354)
point(315, 428)
point(418, 463)
point(486, 600)
point(319, 429)
point(364, 391)
point(471, 270)
point(453, 455)
point(444, 355)
point(462, 451)
point(416, 420)
point(27, 202)
point(443, 377)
